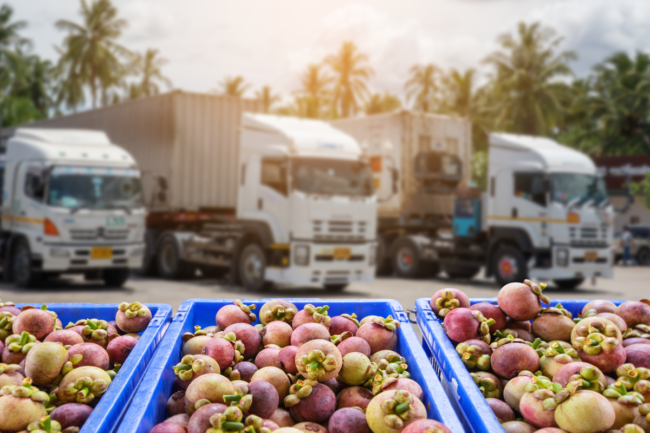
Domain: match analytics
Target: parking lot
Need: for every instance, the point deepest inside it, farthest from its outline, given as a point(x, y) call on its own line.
point(628, 283)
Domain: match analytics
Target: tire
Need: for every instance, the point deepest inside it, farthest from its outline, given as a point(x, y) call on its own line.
point(335, 287)
point(22, 270)
point(509, 265)
point(384, 264)
point(569, 284)
point(252, 267)
point(115, 277)
point(168, 260)
point(405, 257)
point(461, 272)
point(643, 257)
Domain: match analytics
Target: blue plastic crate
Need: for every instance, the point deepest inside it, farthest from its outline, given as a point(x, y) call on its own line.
point(111, 407)
point(471, 407)
point(148, 409)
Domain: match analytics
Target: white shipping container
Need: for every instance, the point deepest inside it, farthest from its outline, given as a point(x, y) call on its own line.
point(398, 138)
point(191, 139)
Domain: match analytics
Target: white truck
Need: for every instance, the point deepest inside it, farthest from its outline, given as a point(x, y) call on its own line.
point(265, 199)
point(71, 203)
point(545, 215)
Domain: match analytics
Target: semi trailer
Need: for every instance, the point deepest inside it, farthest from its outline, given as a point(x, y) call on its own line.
point(264, 199)
point(545, 213)
point(71, 203)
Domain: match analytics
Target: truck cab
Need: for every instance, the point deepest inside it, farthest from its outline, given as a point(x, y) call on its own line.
point(307, 193)
point(547, 213)
point(71, 203)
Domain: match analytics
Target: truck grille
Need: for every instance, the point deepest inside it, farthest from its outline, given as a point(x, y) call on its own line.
point(99, 234)
point(588, 237)
point(339, 230)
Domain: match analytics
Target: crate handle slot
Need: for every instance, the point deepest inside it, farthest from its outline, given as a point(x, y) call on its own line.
point(156, 321)
point(428, 314)
point(180, 315)
point(401, 316)
point(409, 312)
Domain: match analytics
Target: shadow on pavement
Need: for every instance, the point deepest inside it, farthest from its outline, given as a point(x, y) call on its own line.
point(67, 285)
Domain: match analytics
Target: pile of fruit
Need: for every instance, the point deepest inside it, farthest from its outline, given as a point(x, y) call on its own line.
point(51, 377)
point(297, 371)
point(543, 370)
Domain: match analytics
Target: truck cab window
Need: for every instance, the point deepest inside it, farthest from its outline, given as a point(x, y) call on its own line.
point(530, 186)
point(34, 186)
point(274, 175)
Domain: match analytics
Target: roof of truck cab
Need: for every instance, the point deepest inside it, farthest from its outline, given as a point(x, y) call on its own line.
point(305, 136)
point(555, 156)
point(74, 145)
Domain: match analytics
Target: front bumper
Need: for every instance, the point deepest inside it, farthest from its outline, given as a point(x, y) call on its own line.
point(78, 257)
point(323, 268)
point(579, 265)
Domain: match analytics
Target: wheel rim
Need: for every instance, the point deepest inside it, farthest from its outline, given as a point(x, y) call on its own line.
point(508, 267)
point(21, 265)
point(405, 259)
point(253, 267)
point(167, 259)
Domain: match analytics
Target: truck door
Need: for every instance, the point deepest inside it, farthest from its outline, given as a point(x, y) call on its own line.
point(273, 197)
point(28, 197)
point(529, 206)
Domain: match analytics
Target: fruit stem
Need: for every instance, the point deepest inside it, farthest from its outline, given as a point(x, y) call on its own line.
point(231, 398)
point(23, 338)
point(323, 309)
point(230, 425)
point(401, 408)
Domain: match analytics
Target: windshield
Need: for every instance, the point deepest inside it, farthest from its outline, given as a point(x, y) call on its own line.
point(332, 176)
point(577, 188)
point(94, 188)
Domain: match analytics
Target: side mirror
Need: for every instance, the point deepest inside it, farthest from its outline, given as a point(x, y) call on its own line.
point(547, 186)
point(395, 177)
point(162, 183)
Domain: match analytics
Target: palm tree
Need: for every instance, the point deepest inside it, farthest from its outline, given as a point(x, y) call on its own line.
point(314, 93)
point(351, 78)
point(10, 43)
point(382, 103)
point(423, 86)
point(233, 86)
point(149, 68)
point(526, 91)
point(612, 114)
point(458, 91)
point(90, 54)
point(267, 98)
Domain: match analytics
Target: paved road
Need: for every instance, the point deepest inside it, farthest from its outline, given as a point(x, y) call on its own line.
point(629, 283)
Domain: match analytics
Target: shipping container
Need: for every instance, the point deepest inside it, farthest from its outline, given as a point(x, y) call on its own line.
point(403, 141)
point(419, 162)
point(190, 139)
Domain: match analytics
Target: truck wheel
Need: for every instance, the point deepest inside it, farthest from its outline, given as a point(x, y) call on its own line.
point(509, 265)
point(335, 287)
point(252, 267)
point(643, 257)
point(462, 271)
point(406, 259)
point(168, 260)
point(569, 284)
point(115, 277)
point(384, 265)
point(23, 273)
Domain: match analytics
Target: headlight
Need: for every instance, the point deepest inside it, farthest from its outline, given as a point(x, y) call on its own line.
point(562, 257)
point(60, 253)
point(372, 255)
point(137, 252)
point(301, 255)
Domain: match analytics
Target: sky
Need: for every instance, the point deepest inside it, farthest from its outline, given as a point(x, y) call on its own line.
point(270, 42)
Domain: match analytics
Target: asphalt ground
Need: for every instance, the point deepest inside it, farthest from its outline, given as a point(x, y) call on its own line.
point(631, 283)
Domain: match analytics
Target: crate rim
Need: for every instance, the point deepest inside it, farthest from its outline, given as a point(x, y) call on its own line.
point(432, 333)
point(115, 408)
point(431, 381)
